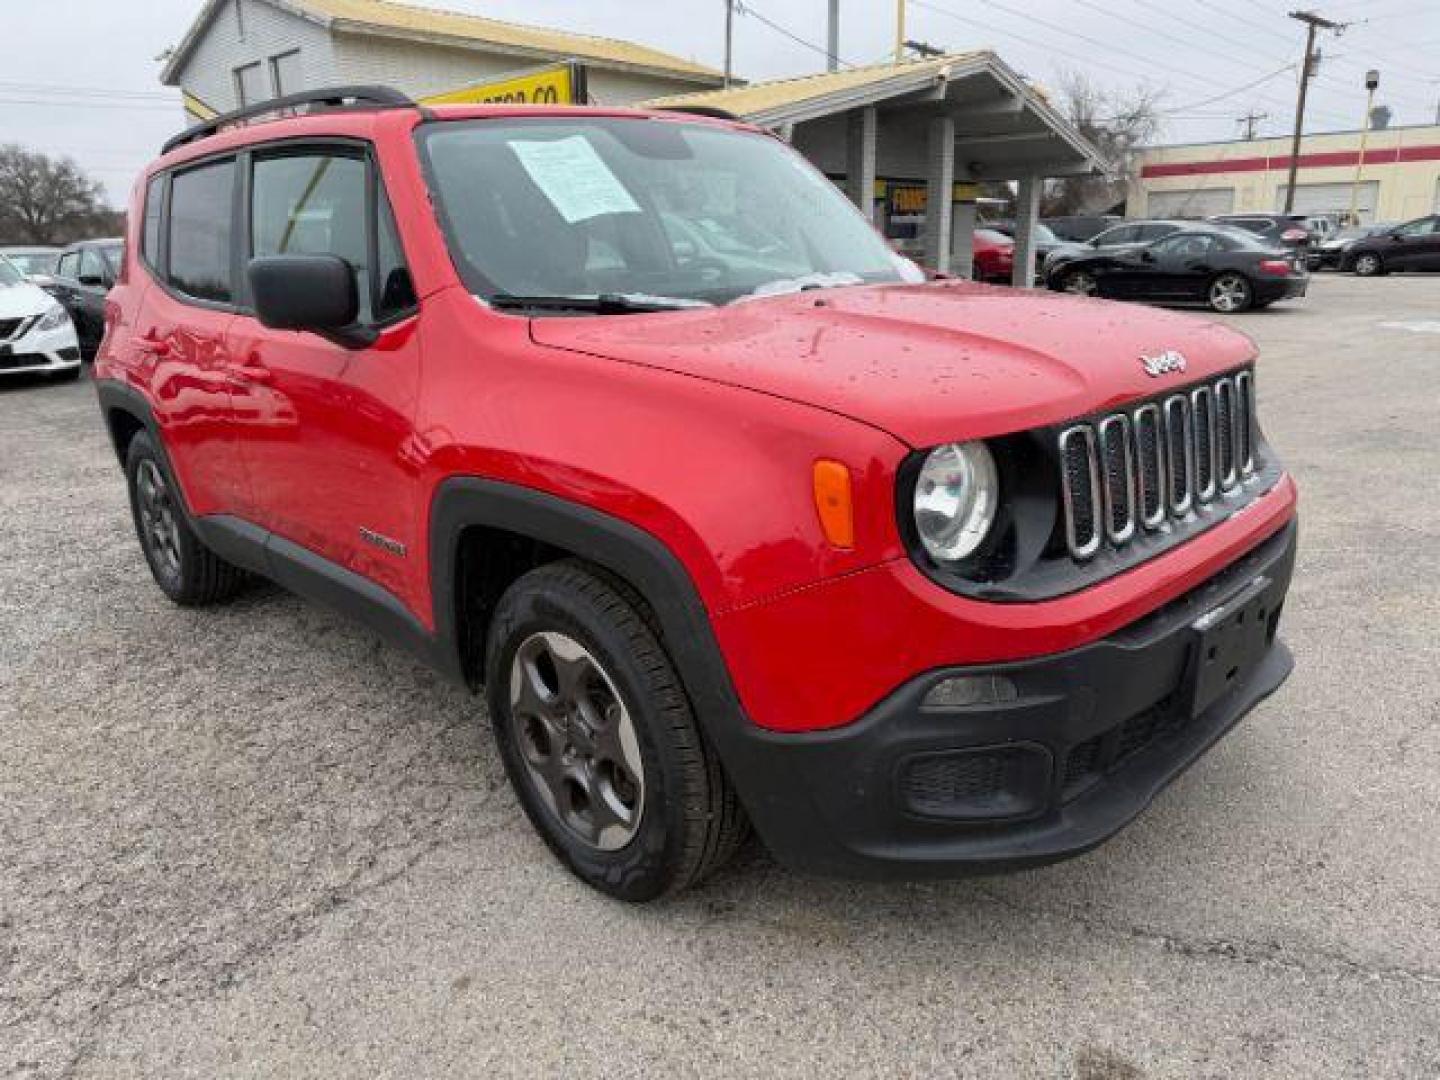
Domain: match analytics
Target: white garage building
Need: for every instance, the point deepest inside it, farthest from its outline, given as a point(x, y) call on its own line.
point(1393, 176)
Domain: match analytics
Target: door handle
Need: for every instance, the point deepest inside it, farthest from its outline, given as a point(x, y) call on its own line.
point(251, 370)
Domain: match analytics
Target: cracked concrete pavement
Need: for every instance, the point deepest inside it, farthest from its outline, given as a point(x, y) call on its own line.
point(253, 841)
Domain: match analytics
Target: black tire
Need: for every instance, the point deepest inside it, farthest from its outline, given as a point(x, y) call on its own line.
point(687, 818)
point(1368, 264)
point(186, 570)
point(1071, 282)
point(1229, 292)
point(68, 375)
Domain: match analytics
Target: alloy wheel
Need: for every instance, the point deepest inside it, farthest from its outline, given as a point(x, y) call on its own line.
point(158, 524)
point(1367, 265)
point(1080, 283)
point(1229, 292)
point(577, 740)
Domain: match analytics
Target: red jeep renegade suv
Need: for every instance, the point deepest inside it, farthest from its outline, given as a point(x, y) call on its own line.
point(633, 421)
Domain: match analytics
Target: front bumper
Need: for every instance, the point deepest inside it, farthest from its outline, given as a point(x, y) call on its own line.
point(1072, 750)
point(41, 352)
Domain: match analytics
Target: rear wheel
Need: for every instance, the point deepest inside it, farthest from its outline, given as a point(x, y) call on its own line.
point(1368, 264)
point(186, 570)
point(1229, 293)
point(599, 739)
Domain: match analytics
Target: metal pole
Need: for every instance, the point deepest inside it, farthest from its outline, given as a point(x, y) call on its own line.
point(1312, 23)
point(1364, 137)
point(899, 31)
point(729, 41)
point(832, 51)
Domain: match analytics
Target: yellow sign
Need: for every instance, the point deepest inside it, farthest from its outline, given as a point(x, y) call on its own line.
point(913, 198)
point(557, 84)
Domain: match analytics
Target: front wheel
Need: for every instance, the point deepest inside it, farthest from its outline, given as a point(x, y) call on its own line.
point(1230, 293)
point(1080, 283)
point(599, 739)
point(1368, 264)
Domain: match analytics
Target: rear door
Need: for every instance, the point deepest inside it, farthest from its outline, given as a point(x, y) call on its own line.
point(1416, 247)
point(327, 431)
point(177, 347)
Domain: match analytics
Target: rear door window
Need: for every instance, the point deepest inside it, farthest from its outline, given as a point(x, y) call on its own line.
point(201, 243)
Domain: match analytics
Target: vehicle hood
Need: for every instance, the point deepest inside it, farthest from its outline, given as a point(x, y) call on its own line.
point(927, 363)
point(19, 301)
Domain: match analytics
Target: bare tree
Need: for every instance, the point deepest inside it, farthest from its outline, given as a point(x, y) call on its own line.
point(1116, 123)
point(46, 200)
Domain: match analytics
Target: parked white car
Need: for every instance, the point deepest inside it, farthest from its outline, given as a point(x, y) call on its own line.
point(36, 334)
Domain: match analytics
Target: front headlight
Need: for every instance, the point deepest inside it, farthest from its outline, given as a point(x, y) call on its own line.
point(956, 495)
point(54, 318)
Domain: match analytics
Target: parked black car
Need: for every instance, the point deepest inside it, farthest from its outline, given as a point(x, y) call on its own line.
point(1290, 230)
point(83, 274)
point(1123, 235)
point(1329, 253)
point(1226, 268)
point(1080, 227)
point(1412, 246)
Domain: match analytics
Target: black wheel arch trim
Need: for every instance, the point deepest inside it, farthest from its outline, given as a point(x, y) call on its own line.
point(614, 545)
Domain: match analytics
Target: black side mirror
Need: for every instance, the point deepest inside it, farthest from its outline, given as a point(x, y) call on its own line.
point(1147, 255)
point(309, 292)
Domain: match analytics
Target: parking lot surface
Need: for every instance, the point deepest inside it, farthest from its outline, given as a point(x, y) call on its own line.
point(254, 841)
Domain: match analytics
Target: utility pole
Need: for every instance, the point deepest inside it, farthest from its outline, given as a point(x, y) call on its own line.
point(899, 31)
point(832, 43)
point(1372, 80)
point(729, 41)
point(1251, 119)
point(1312, 23)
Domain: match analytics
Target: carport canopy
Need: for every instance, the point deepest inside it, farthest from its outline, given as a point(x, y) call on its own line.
point(959, 118)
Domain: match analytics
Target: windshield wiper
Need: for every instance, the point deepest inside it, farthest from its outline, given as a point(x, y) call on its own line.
point(805, 283)
point(596, 304)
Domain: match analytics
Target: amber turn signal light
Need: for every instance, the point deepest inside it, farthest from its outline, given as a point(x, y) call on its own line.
point(833, 503)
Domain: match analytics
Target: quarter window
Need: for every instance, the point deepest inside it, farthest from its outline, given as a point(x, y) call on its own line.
point(200, 231)
point(150, 237)
point(93, 269)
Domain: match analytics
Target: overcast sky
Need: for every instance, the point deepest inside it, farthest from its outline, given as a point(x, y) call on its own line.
point(80, 76)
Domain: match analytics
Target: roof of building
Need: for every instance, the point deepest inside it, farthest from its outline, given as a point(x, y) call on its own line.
point(765, 102)
point(761, 99)
point(447, 27)
point(810, 97)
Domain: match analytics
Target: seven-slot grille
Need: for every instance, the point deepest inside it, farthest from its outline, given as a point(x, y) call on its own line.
point(1164, 459)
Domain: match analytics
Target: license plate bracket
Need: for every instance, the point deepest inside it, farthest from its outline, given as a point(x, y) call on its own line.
point(1230, 642)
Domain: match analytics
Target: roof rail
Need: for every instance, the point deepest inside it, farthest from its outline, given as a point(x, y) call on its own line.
point(335, 97)
point(700, 110)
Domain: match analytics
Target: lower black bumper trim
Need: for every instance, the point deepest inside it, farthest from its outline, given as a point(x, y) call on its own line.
point(836, 802)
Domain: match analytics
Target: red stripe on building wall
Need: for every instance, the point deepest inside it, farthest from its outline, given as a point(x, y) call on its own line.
point(1381, 156)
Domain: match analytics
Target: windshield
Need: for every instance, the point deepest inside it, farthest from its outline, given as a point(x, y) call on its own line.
point(33, 262)
point(8, 274)
point(659, 209)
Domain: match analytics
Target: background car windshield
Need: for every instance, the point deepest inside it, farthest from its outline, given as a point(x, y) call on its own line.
point(578, 208)
point(33, 262)
point(8, 274)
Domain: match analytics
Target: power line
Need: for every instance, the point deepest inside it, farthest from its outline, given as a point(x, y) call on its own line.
point(743, 7)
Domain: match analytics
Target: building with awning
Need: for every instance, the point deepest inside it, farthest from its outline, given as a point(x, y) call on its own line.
point(941, 125)
point(241, 52)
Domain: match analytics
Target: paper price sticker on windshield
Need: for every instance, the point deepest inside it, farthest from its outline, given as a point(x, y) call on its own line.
point(574, 178)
